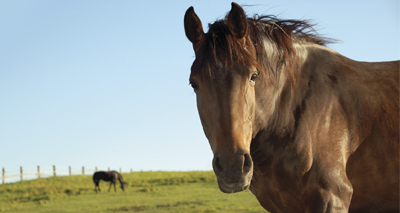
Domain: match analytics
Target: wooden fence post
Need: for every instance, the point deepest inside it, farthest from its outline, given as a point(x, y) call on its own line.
point(131, 170)
point(95, 169)
point(108, 168)
point(38, 172)
point(54, 170)
point(83, 170)
point(4, 175)
point(120, 170)
point(69, 169)
point(22, 174)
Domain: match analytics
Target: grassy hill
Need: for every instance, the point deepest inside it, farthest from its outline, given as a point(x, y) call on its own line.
point(145, 192)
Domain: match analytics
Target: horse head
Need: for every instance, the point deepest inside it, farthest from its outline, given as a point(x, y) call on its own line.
point(224, 83)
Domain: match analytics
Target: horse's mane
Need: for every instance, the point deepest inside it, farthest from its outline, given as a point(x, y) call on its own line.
point(220, 46)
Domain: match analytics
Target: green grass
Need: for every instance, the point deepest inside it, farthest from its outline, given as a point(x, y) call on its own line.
point(145, 192)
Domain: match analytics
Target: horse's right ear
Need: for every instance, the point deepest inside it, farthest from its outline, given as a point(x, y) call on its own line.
point(193, 28)
point(237, 21)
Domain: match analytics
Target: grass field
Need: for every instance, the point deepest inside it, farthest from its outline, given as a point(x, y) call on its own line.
point(145, 192)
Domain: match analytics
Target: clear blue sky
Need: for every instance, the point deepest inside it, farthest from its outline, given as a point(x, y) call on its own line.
point(105, 83)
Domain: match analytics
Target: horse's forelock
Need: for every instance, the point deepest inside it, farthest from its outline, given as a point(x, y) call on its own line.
point(220, 47)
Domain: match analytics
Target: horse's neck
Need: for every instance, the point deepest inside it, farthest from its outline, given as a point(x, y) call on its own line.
point(289, 88)
point(119, 177)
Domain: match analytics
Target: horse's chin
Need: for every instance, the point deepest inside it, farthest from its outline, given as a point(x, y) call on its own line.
point(232, 188)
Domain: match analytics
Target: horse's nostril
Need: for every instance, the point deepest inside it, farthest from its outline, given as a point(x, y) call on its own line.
point(217, 164)
point(247, 164)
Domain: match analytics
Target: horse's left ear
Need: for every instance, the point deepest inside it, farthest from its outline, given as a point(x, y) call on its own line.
point(237, 21)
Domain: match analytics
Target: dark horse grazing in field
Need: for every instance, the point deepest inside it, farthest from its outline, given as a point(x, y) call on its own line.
point(305, 128)
point(112, 176)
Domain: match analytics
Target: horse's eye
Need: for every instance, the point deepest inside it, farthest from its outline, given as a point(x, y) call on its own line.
point(253, 77)
point(194, 85)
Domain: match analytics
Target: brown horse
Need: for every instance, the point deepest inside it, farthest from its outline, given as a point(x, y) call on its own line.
point(305, 128)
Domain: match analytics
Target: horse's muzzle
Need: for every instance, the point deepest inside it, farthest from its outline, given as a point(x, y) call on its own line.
point(234, 173)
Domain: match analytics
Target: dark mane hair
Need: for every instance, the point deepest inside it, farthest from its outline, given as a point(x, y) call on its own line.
point(220, 46)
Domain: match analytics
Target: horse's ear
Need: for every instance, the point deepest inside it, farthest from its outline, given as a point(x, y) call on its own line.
point(193, 28)
point(237, 21)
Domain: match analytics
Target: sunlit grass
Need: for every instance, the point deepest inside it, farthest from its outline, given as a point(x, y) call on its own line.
point(145, 192)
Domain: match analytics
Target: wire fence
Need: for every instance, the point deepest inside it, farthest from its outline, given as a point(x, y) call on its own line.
point(22, 174)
